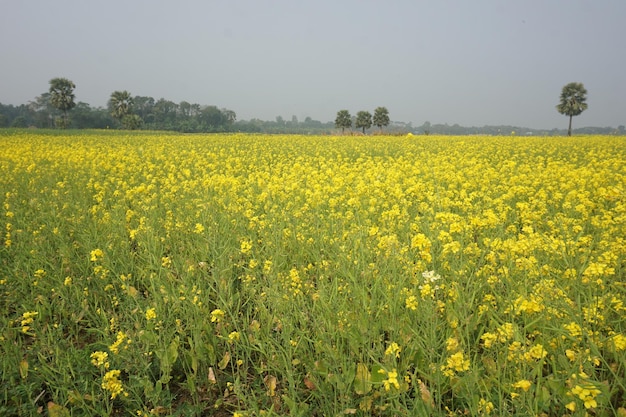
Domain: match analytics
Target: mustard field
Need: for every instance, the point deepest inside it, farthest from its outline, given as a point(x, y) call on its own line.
point(150, 274)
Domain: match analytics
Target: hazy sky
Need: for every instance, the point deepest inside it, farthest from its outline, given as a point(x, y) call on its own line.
point(471, 62)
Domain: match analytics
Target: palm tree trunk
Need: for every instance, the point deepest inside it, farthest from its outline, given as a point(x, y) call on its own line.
point(569, 130)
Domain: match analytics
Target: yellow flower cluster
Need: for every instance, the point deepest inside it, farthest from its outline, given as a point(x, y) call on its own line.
point(457, 361)
point(96, 255)
point(583, 390)
point(100, 359)
point(217, 315)
point(28, 318)
point(391, 380)
point(111, 378)
point(393, 350)
point(151, 314)
point(119, 342)
point(503, 334)
point(522, 384)
point(111, 382)
point(619, 342)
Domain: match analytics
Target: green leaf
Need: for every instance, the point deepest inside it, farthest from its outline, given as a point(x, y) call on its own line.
point(362, 383)
point(172, 350)
point(378, 374)
point(224, 362)
point(24, 368)
point(149, 338)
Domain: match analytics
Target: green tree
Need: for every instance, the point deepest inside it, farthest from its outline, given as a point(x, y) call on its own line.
point(62, 97)
point(20, 121)
point(86, 117)
point(165, 112)
point(230, 116)
point(131, 122)
point(143, 106)
point(343, 120)
point(43, 111)
point(211, 119)
point(120, 104)
point(363, 120)
point(184, 108)
point(573, 102)
point(381, 117)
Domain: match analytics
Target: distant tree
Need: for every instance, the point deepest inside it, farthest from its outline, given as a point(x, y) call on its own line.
point(363, 120)
point(573, 102)
point(229, 116)
point(20, 121)
point(381, 117)
point(343, 120)
point(211, 119)
point(85, 117)
point(131, 121)
point(165, 114)
point(62, 97)
point(6, 114)
point(120, 104)
point(184, 107)
point(82, 116)
point(144, 107)
point(42, 111)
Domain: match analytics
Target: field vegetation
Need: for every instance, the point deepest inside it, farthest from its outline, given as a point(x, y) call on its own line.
point(154, 274)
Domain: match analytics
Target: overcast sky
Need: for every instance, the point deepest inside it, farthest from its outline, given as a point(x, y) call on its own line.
point(478, 62)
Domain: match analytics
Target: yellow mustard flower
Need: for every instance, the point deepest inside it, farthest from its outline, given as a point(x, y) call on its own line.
point(99, 359)
point(151, 313)
point(96, 255)
point(217, 315)
point(111, 382)
point(392, 380)
point(522, 384)
point(393, 350)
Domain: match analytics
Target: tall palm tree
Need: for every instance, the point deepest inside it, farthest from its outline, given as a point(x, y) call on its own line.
point(573, 102)
point(62, 96)
point(343, 120)
point(363, 120)
point(120, 104)
point(381, 117)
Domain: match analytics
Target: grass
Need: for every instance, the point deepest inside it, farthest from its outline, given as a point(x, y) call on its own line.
point(157, 274)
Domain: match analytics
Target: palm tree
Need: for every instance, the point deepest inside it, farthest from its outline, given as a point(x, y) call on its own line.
point(120, 104)
point(381, 117)
point(343, 120)
point(573, 102)
point(62, 96)
point(363, 120)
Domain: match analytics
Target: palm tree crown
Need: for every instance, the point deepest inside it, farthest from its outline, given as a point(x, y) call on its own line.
point(573, 102)
point(120, 104)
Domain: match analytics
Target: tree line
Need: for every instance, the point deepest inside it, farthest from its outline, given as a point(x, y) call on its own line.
point(57, 108)
point(363, 120)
